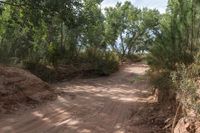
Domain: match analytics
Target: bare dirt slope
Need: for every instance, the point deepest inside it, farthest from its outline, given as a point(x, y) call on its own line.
point(100, 105)
point(19, 88)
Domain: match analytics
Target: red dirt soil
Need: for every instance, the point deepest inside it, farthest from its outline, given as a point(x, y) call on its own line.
point(115, 104)
point(19, 87)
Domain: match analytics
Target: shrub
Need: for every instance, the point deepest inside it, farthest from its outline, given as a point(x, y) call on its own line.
point(134, 57)
point(42, 71)
point(187, 83)
point(107, 64)
point(162, 81)
point(103, 62)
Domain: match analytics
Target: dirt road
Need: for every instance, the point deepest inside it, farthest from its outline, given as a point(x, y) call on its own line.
point(100, 105)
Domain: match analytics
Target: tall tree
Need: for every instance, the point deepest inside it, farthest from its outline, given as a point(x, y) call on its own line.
point(129, 29)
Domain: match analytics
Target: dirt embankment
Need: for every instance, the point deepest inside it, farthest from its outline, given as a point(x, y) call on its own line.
point(19, 88)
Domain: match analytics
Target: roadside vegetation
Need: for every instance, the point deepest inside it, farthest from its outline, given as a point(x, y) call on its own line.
point(49, 38)
point(174, 58)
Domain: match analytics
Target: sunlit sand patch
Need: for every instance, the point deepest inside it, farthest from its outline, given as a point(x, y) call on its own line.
point(69, 122)
point(38, 114)
point(118, 126)
point(129, 99)
point(119, 131)
point(85, 131)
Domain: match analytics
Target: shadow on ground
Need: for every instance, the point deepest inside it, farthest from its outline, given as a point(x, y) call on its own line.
point(102, 105)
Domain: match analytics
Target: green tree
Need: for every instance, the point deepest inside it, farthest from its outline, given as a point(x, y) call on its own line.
point(129, 29)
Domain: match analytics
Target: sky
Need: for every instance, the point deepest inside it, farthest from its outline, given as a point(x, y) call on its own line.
point(161, 5)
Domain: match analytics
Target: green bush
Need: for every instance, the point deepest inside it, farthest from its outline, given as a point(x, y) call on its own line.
point(42, 71)
point(103, 62)
point(107, 64)
point(162, 81)
point(134, 58)
point(186, 80)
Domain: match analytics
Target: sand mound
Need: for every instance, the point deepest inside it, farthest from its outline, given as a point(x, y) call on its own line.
point(18, 87)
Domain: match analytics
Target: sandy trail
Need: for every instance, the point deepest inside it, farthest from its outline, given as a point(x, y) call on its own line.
point(100, 105)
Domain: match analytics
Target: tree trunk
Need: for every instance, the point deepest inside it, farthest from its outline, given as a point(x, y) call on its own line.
point(62, 36)
point(122, 45)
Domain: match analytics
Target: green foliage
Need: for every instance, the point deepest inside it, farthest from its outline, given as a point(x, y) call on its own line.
point(161, 80)
point(133, 27)
point(187, 83)
point(53, 54)
point(177, 41)
point(175, 51)
point(164, 85)
point(134, 57)
point(108, 64)
point(104, 62)
point(54, 33)
point(42, 71)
